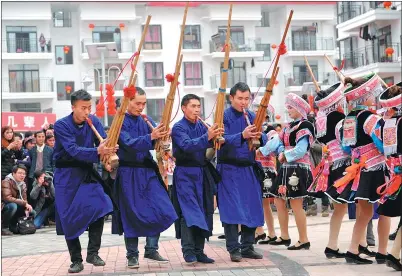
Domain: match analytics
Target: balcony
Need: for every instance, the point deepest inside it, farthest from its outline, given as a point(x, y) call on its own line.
point(317, 46)
point(250, 49)
point(294, 82)
point(25, 48)
point(126, 48)
point(371, 58)
point(253, 80)
point(39, 88)
point(359, 14)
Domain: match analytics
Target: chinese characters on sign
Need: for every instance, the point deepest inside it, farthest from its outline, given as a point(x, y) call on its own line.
point(27, 121)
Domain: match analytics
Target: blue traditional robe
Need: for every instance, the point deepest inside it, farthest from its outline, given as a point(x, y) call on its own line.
point(240, 191)
point(194, 178)
point(80, 198)
point(144, 204)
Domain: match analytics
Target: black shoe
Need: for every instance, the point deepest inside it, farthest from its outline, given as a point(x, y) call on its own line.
point(202, 258)
point(156, 257)
point(281, 242)
point(251, 254)
point(6, 232)
point(222, 237)
point(394, 262)
point(132, 262)
point(190, 259)
point(380, 258)
point(235, 256)
point(301, 246)
point(331, 254)
point(393, 235)
point(260, 237)
point(268, 241)
point(355, 259)
point(76, 267)
point(95, 260)
point(365, 250)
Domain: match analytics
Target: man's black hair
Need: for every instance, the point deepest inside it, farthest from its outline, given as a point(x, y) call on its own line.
point(38, 173)
point(49, 136)
point(17, 134)
point(80, 95)
point(243, 87)
point(140, 91)
point(38, 132)
point(20, 166)
point(186, 99)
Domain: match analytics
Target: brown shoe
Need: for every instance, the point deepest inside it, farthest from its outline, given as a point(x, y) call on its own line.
point(325, 212)
point(311, 210)
point(6, 232)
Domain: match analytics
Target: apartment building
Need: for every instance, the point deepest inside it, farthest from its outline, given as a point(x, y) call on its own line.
point(369, 36)
point(45, 58)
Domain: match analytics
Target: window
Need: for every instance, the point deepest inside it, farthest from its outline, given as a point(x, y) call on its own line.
point(192, 73)
point(111, 72)
point(236, 74)
point(302, 75)
point(24, 40)
point(236, 34)
point(265, 19)
point(153, 38)
point(25, 107)
point(107, 34)
point(24, 77)
point(304, 38)
point(154, 74)
point(62, 19)
point(389, 81)
point(62, 93)
point(155, 109)
point(63, 58)
point(267, 51)
point(192, 37)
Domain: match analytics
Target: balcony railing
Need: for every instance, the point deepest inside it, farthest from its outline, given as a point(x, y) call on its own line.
point(371, 54)
point(24, 45)
point(249, 46)
point(35, 85)
point(349, 10)
point(310, 44)
point(300, 78)
point(123, 45)
point(253, 80)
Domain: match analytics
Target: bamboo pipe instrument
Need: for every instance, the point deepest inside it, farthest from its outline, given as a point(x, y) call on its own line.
point(219, 140)
point(262, 109)
point(317, 87)
point(147, 121)
point(341, 78)
point(203, 122)
point(89, 121)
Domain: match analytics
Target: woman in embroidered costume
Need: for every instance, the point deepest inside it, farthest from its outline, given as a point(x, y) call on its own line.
point(295, 175)
point(360, 137)
point(390, 192)
point(334, 160)
point(269, 165)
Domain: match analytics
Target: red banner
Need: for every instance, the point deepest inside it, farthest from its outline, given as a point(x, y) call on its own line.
point(27, 121)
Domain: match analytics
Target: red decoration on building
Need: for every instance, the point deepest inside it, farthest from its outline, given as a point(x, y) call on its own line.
point(66, 49)
point(278, 117)
point(111, 102)
point(121, 25)
point(100, 107)
point(273, 46)
point(389, 51)
point(68, 89)
point(387, 4)
point(91, 26)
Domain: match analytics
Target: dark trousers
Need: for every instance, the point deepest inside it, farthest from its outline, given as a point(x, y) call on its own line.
point(132, 246)
point(192, 240)
point(95, 236)
point(232, 238)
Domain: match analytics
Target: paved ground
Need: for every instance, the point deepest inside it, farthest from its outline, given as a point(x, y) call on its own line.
point(44, 253)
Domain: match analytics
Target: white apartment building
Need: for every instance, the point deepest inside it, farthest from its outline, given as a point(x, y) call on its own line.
point(34, 79)
point(365, 31)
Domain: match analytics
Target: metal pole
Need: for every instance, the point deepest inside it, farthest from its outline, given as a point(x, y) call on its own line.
point(104, 81)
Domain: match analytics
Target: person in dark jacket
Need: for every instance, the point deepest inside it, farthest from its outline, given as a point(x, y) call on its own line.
point(10, 151)
point(43, 194)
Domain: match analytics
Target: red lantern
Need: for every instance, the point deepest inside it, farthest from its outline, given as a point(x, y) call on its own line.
point(273, 46)
point(68, 89)
point(276, 82)
point(387, 4)
point(389, 51)
point(278, 117)
point(111, 102)
point(100, 107)
point(121, 25)
point(91, 26)
point(66, 49)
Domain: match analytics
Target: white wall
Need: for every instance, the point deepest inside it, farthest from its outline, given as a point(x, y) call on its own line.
point(26, 11)
point(107, 10)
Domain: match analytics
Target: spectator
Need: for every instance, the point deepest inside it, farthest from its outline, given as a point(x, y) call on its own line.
point(49, 129)
point(14, 198)
point(10, 151)
point(278, 128)
point(43, 195)
point(50, 140)
point(42, 42)
point(27, 144)
point(41, 158)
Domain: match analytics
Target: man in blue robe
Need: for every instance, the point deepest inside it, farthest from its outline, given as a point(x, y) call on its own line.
point(144, 204)
point(81, 199)
point(240, 191)
point(193, 180)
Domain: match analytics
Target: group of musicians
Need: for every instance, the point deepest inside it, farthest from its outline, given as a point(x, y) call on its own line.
point(362, 151)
